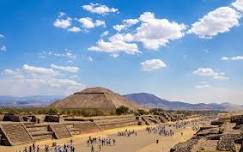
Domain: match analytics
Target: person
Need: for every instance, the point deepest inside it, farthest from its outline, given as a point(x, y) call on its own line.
point(92, 148)
point(34, 147)
point(157, 141)
point(72, 149)
point(30, 149)
point(38, 148)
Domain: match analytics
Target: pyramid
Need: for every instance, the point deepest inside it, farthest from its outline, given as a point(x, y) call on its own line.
point(97, 98)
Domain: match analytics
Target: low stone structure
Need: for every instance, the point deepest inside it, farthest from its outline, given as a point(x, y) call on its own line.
point(52, 118)
point(185, 146)
point(13, 118)
point(221, 135)
point(15, 133)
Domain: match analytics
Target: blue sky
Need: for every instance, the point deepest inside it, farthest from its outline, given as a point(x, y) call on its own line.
point(190, 51)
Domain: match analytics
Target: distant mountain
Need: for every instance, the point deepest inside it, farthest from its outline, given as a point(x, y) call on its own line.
point(11, 101)
point(152, 101)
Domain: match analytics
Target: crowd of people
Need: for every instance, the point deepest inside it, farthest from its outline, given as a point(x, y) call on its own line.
point(127, 133)
point(54, 148)
point(100, 142)
point(32, 148)
point(161, 130)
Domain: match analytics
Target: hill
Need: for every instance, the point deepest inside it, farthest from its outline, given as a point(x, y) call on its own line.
point(98, 98)
point(152, 101)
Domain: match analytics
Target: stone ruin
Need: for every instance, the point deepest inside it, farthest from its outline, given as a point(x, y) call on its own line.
point(224, 134)
point(16, 130)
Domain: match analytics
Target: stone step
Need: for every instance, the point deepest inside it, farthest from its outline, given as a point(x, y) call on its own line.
point(16, 133)
point(43, 137)
point(60, 131)
point(40, 133)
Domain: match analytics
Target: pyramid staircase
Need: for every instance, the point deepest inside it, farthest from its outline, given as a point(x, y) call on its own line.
point(60, 131)
point(40, 131)
point(15, 134)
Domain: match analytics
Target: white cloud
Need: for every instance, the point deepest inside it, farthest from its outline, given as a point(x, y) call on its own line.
point(3, 48)
point(238, 4)
point(12, 73)
point(209, 72)
point(99, 9)
point(115, 46)
point(153, 64)
point(234, 58)
point(74, 29)
point(39, 80)
point(125, 24)
point(62, 21)
point(100, 23)
point(217, 21)
point(88, 22)
point(71, 69)
point(39, 71)
point(154, 32)
point(68, 54)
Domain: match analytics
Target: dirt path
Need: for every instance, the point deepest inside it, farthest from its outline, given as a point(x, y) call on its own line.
point(166, 143)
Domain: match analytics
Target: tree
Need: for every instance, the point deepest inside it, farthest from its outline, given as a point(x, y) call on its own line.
point(52, 111)
point(122, 110)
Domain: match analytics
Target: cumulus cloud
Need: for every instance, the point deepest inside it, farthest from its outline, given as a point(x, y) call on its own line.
point(152, 33)
point(153, 64)
point(74, 29)
point(209, 72)
point(234, 58)
point(238, 4)
point(63, 21)
point(218, 21)
point(88, 23)
point(115, 46)
point(125, 24)
point(71, 69)
point(40, 80)
point(99, 9)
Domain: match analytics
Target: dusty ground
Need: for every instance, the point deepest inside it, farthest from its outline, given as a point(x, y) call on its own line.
point(143, 142)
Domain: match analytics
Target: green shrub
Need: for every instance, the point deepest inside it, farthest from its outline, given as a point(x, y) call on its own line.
point(53, 111)
point(122, 110)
